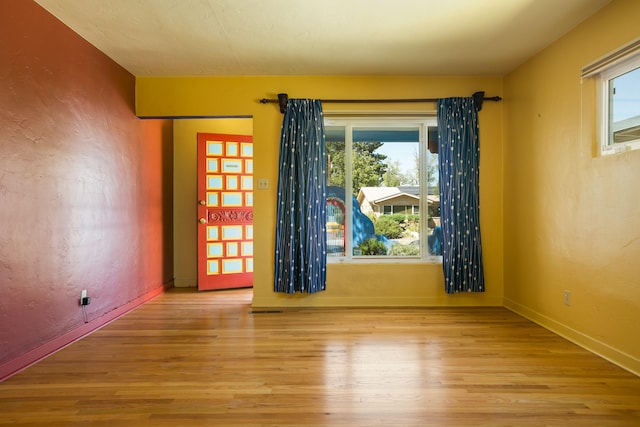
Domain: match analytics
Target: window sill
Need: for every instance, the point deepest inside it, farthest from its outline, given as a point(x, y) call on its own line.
point(620, 148)
point(384, 260)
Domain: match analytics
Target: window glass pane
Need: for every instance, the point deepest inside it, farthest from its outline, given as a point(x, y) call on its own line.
point(385, 169)
point(335, 143)
point(624, 108)
point(434, 232)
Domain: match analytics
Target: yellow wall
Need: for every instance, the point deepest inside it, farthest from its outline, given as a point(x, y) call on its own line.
point(347, 285)
point(185, 189)
point(572, 219)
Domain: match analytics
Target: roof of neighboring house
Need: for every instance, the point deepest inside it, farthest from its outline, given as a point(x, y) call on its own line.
point(627, 129)
point(377, 195)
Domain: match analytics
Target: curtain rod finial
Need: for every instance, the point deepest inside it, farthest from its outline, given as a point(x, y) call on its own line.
point(478, 97)
point(283, 98)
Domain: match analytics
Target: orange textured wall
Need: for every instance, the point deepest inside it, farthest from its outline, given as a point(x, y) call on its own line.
point(85, 186)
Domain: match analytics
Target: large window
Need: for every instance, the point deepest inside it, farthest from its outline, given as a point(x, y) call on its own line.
point(382, 189)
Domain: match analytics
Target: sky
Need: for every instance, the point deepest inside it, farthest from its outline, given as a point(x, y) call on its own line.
point(626, 101)
point(402, 152)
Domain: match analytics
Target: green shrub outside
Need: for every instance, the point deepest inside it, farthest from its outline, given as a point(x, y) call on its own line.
point(400, 218)
point(404, 250)
point(387, 226)
point(372, 246)
point(394, 226)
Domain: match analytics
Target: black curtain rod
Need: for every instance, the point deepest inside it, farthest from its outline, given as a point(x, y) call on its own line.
point(283, 98)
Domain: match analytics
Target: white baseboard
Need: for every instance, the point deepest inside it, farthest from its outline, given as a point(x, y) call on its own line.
point(613, 355)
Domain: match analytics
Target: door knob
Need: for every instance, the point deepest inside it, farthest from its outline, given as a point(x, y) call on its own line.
point(202, 202)
point(202, 221)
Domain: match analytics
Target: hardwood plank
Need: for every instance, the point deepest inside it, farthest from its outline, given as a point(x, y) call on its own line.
point(191, 359)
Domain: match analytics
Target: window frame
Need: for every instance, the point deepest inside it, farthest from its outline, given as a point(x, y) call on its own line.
point(604, 100)
point(391, 121)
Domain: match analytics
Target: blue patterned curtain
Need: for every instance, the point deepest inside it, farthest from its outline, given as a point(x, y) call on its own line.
point(301, 245)
point(459, 158)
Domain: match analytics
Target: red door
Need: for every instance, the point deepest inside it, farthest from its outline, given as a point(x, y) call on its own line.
point(225, 211)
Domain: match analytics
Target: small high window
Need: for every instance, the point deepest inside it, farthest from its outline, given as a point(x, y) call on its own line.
point(620, 105)
point(618, 99)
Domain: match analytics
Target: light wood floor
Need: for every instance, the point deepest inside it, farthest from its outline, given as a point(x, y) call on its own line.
point(198, 359)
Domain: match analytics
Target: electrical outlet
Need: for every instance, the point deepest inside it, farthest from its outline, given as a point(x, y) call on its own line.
point(263, 184)
point(84, 299)
point(567, 298)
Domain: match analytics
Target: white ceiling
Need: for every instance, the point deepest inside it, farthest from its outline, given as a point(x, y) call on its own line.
point(321, 37)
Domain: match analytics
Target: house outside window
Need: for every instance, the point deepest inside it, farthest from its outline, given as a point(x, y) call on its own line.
point(399, 209)
point(380, 172)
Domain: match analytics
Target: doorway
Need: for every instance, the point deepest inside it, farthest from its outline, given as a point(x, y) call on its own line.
point(185, 199)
